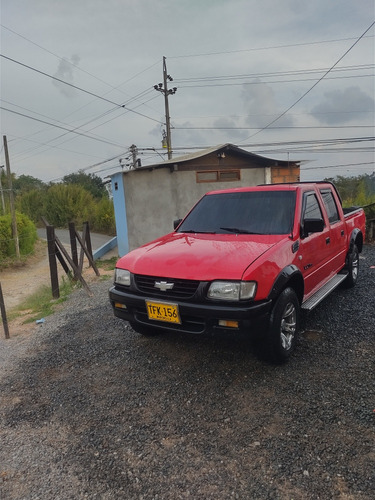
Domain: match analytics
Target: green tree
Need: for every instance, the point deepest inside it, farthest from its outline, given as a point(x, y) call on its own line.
point(104, 217)
point(25, 183)
point(27, 236)
point(91, 182)
point(32, 203)
point(68, 203)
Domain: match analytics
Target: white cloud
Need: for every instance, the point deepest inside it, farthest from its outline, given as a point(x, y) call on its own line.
point(343, 106)
point(262, 107)
point(65, 73)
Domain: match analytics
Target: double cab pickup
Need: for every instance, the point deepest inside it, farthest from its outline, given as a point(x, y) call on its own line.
point(244, 259)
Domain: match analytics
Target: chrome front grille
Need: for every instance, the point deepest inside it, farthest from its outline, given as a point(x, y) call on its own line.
point(182, 289)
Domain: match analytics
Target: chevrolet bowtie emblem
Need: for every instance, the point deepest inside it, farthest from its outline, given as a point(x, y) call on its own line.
point(163, 285)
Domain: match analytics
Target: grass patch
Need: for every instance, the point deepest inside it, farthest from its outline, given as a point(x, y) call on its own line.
point(11, 263)
point(41, 303)
point(107, 264)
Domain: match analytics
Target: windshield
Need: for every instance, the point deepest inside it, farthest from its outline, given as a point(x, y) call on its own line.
point(249, 212)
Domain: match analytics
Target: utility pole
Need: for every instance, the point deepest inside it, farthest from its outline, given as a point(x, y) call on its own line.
point(11, 199)
point(134, 151)
point(1, 189)
point(164, 90)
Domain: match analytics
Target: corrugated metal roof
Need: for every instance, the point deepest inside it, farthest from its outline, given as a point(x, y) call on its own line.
point(205, 152)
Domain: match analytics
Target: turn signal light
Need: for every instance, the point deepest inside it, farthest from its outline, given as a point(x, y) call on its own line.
point(228, 324)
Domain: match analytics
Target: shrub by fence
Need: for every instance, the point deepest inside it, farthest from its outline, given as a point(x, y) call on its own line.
point(27, 236)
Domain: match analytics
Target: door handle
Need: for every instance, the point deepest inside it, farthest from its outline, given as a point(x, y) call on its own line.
point(342, 232)
point(328, 240)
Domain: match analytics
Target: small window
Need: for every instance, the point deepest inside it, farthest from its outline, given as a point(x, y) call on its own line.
point(330, 204)
point(210, 176)
point(218, 176)
point(312, 209)
point(229, 175)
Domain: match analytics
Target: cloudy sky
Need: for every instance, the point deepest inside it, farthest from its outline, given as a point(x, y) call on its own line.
point(287, 79)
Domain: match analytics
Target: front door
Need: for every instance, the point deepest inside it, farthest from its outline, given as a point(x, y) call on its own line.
point(314, 250)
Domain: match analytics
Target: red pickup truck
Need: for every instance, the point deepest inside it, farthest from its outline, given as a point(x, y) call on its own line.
point(246, 259)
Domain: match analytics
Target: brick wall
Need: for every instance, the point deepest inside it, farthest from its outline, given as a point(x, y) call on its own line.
point(285, 174)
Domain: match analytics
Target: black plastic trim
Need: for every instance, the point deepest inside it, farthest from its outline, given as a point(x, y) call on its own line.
point(282, 279)
point(207, 314)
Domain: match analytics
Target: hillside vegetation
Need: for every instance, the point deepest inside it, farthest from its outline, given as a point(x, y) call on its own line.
point(77, 198)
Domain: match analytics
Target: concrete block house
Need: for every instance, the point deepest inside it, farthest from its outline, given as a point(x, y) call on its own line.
point(148, 199)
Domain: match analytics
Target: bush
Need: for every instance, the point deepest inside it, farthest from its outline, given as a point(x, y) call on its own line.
point(6, 241)
point(27, 236)
point(64, 203)
point(68, 203)
point(104, 217)
point(32, 204)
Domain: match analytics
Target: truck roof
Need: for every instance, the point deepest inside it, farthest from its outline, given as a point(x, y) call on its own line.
point(290, 186)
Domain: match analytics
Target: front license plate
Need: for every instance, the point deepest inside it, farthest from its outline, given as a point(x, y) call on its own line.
point(161, 311)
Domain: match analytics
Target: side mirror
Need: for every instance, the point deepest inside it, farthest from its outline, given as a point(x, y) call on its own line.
point(176, 223)
point(312, 226)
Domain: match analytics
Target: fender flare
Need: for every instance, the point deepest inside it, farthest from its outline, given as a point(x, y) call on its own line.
point(290, 274)
point(356, 238)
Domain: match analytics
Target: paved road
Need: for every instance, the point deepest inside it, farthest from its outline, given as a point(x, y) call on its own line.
point(97, 240)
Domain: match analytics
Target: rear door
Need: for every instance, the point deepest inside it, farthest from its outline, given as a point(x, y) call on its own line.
point(337, 233)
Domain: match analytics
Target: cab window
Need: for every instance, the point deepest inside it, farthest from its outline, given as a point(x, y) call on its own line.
point(312, 207)
point(330, 204)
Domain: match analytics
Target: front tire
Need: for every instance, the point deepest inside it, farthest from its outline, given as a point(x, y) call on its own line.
point(283, 326)
point(352, 267)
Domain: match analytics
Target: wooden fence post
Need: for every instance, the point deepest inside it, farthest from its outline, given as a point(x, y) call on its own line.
point(51, 241)
point(73, 245)
point(87, 241)
point(4, 314)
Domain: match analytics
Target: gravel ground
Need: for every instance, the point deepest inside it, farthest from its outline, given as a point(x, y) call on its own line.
point(90, 409)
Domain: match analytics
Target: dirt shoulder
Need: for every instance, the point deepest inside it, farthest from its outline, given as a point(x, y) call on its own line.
point(22, 281)
point(19, 282)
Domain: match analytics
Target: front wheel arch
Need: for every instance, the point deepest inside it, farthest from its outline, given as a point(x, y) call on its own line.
point(289, 277)
point(283, 328)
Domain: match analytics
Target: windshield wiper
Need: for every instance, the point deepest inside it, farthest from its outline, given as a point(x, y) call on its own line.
point(196, 232)
point(238, 230)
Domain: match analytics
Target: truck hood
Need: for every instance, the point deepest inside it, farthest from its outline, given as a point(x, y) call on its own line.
point(202, 257)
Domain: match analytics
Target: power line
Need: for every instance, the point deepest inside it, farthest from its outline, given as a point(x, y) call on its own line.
point(78, 88)
point(315, 84)
point(57, 56)
point(295, 80)
point(276, 128)
point(274, 74)
point(61, 81)
point(60, 127)
point(271, 47)
point(343, 165)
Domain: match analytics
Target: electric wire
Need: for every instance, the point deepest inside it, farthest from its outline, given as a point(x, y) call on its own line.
point(271, 47)
point(315, 84)
point(77, 88)
point(61, 127)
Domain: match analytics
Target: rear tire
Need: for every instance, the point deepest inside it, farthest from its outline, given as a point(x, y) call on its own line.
point(352, 267)
point(148, 331)
point(283, 327)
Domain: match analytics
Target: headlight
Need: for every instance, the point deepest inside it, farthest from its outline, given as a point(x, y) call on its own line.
point(232, 290)
point(122, 277)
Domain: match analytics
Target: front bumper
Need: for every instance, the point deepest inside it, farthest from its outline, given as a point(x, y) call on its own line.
point(196, 318)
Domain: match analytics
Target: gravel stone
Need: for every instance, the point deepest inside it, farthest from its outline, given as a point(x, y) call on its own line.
point(91, 410)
